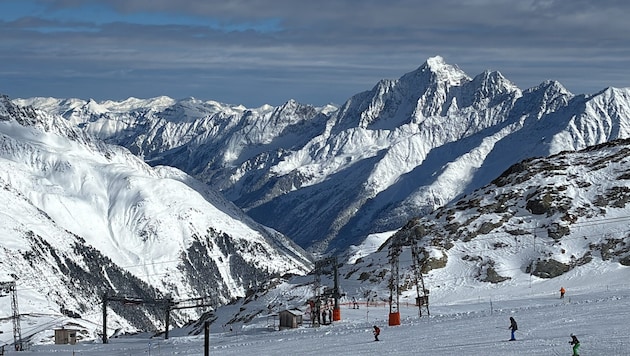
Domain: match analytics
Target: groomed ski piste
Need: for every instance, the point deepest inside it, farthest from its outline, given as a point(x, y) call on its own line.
point(470, 320)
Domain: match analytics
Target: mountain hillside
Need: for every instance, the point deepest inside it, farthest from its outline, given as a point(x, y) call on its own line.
point(542, 224)
point(82, 218)
point(542, 217)
point(329, 177)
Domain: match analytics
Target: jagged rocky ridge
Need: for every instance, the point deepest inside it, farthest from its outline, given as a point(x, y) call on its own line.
point(327, 178)
point(82, 218)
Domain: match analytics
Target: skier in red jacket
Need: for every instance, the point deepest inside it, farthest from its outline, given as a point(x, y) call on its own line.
point(377, 332)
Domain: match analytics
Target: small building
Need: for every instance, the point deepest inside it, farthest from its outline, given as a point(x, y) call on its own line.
point(65, 336)
point(290, 318)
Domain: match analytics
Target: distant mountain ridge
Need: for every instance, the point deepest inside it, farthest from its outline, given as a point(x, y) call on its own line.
point(327, 177)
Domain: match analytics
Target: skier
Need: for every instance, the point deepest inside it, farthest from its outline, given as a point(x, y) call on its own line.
point(576, 345)
point(513, 327)
point(377, 332)
point(562, 291)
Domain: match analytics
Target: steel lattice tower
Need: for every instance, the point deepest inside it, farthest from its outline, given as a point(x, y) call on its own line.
point(422, 294)
point(9, 287)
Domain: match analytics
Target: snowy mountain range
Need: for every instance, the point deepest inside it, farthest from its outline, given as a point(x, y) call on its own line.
point(82, 218)
point(123, 196)
point(327, 177)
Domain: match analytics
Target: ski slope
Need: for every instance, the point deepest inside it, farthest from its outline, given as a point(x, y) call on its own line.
point(478, 325)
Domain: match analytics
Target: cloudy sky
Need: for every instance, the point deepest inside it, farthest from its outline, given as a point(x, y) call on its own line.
point(253, 52)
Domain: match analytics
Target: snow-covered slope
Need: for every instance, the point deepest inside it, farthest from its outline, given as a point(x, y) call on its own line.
point(474, 322)
point(81, 218)
point(328, 178)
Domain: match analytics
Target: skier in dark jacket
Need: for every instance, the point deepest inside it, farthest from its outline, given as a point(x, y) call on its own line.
point(513, 327)
point(576, 345)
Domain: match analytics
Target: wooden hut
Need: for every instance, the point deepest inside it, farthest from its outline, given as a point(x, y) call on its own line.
point(65, 336)
point(290, 318)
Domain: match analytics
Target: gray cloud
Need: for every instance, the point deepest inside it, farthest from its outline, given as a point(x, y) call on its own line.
point(315, 52)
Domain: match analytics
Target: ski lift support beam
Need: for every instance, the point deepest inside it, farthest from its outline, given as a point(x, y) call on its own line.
point(319, 267)
point(394, 281)
point(168, 304)
point(422, 293)
point(10, 288)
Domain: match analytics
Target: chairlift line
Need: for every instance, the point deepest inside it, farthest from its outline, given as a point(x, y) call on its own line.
point(168, 303)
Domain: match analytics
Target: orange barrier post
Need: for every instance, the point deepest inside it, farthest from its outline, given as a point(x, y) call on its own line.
point(336, 314)
point(394, 319)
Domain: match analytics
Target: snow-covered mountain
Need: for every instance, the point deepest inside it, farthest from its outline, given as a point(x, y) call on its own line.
point(81, 218)
point(542, 224)
point(436, 158)
point(542, 217)
point(329, 177)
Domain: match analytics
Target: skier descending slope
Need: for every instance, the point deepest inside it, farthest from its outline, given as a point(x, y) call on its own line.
point(576, 345)
point(513, 326)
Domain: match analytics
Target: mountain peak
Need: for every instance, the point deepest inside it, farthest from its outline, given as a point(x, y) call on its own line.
point(95, 108)
point(435, 62)
point(554, 86)
point(443, 71)
point(495, 81)
point(9, 111)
